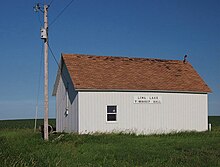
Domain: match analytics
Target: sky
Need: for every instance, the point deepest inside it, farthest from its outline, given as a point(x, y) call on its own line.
point(135, 28)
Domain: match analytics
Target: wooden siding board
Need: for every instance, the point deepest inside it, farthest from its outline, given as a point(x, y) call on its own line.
point(69, 123)
point(178, 112)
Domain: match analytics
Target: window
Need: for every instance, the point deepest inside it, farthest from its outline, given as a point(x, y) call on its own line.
point(111, 113)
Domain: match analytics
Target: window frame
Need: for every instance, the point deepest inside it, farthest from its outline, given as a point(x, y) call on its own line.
point(109, 105)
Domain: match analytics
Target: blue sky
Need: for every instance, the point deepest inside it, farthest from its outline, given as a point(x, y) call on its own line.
point(135, 28)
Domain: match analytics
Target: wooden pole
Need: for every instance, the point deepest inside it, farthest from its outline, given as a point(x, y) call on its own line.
point(46, 74)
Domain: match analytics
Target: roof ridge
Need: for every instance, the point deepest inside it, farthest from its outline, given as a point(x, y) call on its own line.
point(121, 57)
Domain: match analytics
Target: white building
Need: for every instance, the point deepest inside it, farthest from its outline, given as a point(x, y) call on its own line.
point(114, 94)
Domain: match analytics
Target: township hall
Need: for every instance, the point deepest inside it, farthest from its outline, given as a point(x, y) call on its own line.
point(134, 95)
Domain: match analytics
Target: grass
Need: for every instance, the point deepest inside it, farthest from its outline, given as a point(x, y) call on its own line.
point(215, 121)
point(23, 123)
point(21, 147)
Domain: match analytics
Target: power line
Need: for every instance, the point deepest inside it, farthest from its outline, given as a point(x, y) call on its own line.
point(41, 24)
point(38, 88)
point(40, 71)
point(53, 55)
point(63, 77)
point(51, 2)
point(61, 12)
point(36, 9)
point(57, 63)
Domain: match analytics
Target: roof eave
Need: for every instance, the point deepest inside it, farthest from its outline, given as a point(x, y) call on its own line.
point(130, 90)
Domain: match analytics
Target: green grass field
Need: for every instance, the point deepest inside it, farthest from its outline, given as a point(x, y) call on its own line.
point(23, 123)
point(20, 146)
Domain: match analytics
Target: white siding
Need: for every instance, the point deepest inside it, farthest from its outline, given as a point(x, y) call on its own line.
point(70, 122)
point(177, 112)
point(59, 105)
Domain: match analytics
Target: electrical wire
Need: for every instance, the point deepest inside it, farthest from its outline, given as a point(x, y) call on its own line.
point(57, 63)
point(53, 56)
point(38, 87)
point(51, 2)
point(62, 76)
point(39, 19)
point(61, 13)
point(41, 24)
point(40, 72)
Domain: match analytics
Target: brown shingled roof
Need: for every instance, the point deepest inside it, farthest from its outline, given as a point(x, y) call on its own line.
point(123, 73)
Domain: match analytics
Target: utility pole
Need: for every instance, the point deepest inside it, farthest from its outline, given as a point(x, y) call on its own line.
point(44, 36)
point(45, 73)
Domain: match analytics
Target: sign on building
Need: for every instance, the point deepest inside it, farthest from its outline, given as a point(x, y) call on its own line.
point(142, 99)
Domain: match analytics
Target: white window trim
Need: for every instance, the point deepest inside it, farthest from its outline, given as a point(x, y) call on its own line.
point(106, 118)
